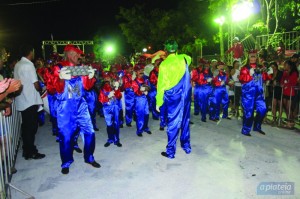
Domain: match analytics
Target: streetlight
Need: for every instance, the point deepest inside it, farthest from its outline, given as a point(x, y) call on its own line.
point(221, 21)
point(242, 10)
point(144, 50)
point(109, 49)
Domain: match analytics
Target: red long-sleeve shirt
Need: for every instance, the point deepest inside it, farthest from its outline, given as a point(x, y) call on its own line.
point(104, 92)
point(153, 76)
point(59, 84)
point(49, 81)
point(127, 81)
point(237, 49)
point(289, 81)
point(198, 76)
point(245, 76)
point(136, 85)
point(222, 76)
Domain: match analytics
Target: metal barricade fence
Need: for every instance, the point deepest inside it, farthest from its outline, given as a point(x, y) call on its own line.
point(10, 132)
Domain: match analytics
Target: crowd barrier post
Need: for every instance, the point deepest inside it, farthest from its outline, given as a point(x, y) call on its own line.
point(10, 134)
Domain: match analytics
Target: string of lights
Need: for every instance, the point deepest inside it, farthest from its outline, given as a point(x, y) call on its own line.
point(28, 3)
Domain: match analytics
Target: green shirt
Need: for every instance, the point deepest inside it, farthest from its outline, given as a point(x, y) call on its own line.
point(171, 70)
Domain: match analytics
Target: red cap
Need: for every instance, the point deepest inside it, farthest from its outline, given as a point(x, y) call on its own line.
point(221, 63)
point(71, 47)
point(203, 61)
point(142, 59)
point(117, 66)
point(106, 75)
point(126, 66)
point(253, 51)
point(138, 67)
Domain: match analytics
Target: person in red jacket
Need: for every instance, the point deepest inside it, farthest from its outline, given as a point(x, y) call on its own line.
point(237, 49)
point(252, 78)
point(70, 84)
point(202, 77)
point(109, 95)
point(289, 82)
point(219, 95)
point(128, 93)
point(52, 98)
point(153, 86)
point(141, 88)
point(116, 75)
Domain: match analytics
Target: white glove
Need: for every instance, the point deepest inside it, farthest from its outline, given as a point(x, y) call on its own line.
point(133, 76)
point(222, 83)
point(116, 85)
point(146, 92)
point(111, 94)
point(65, 73)
point(251, 71)
point(91, 72)
point(142, 88)
point(270, 71)
point(157, 109)
point(209, 80)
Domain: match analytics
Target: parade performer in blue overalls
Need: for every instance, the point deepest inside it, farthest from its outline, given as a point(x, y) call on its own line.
point(52, 99)
point(72, 109)
point(220, 95)
point(252, 79)
point(116, 77)
point(202, 77)
point(109, 96)
point(174, 90)
point(128, 93)
point(153, 83)
point(141, 88)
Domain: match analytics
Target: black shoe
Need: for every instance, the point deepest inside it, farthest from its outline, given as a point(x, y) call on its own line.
point(94, 164)
point(228, 118)
point(121, 125)
point(106, 144)
point(96, 129)
point(155, 118)
point(149, 132)
point(161, 128)
point(129, 125)
point(13, 170)
point(164, 154)
point(214, 120)
point(78, 150)
point(261, 132)
point(248, 134)
point(191, 122)
point(35, 156)
point(65, 170)
point(140, 135)
point(203, 120)
point(119, 144)
point(196, 113)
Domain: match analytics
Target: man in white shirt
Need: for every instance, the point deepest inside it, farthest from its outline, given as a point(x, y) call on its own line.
point(28, 102)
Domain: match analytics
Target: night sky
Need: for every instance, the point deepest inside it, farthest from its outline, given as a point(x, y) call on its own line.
point(29, 21)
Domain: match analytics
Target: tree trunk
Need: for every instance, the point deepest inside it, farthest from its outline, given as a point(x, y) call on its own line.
point(276, 16)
